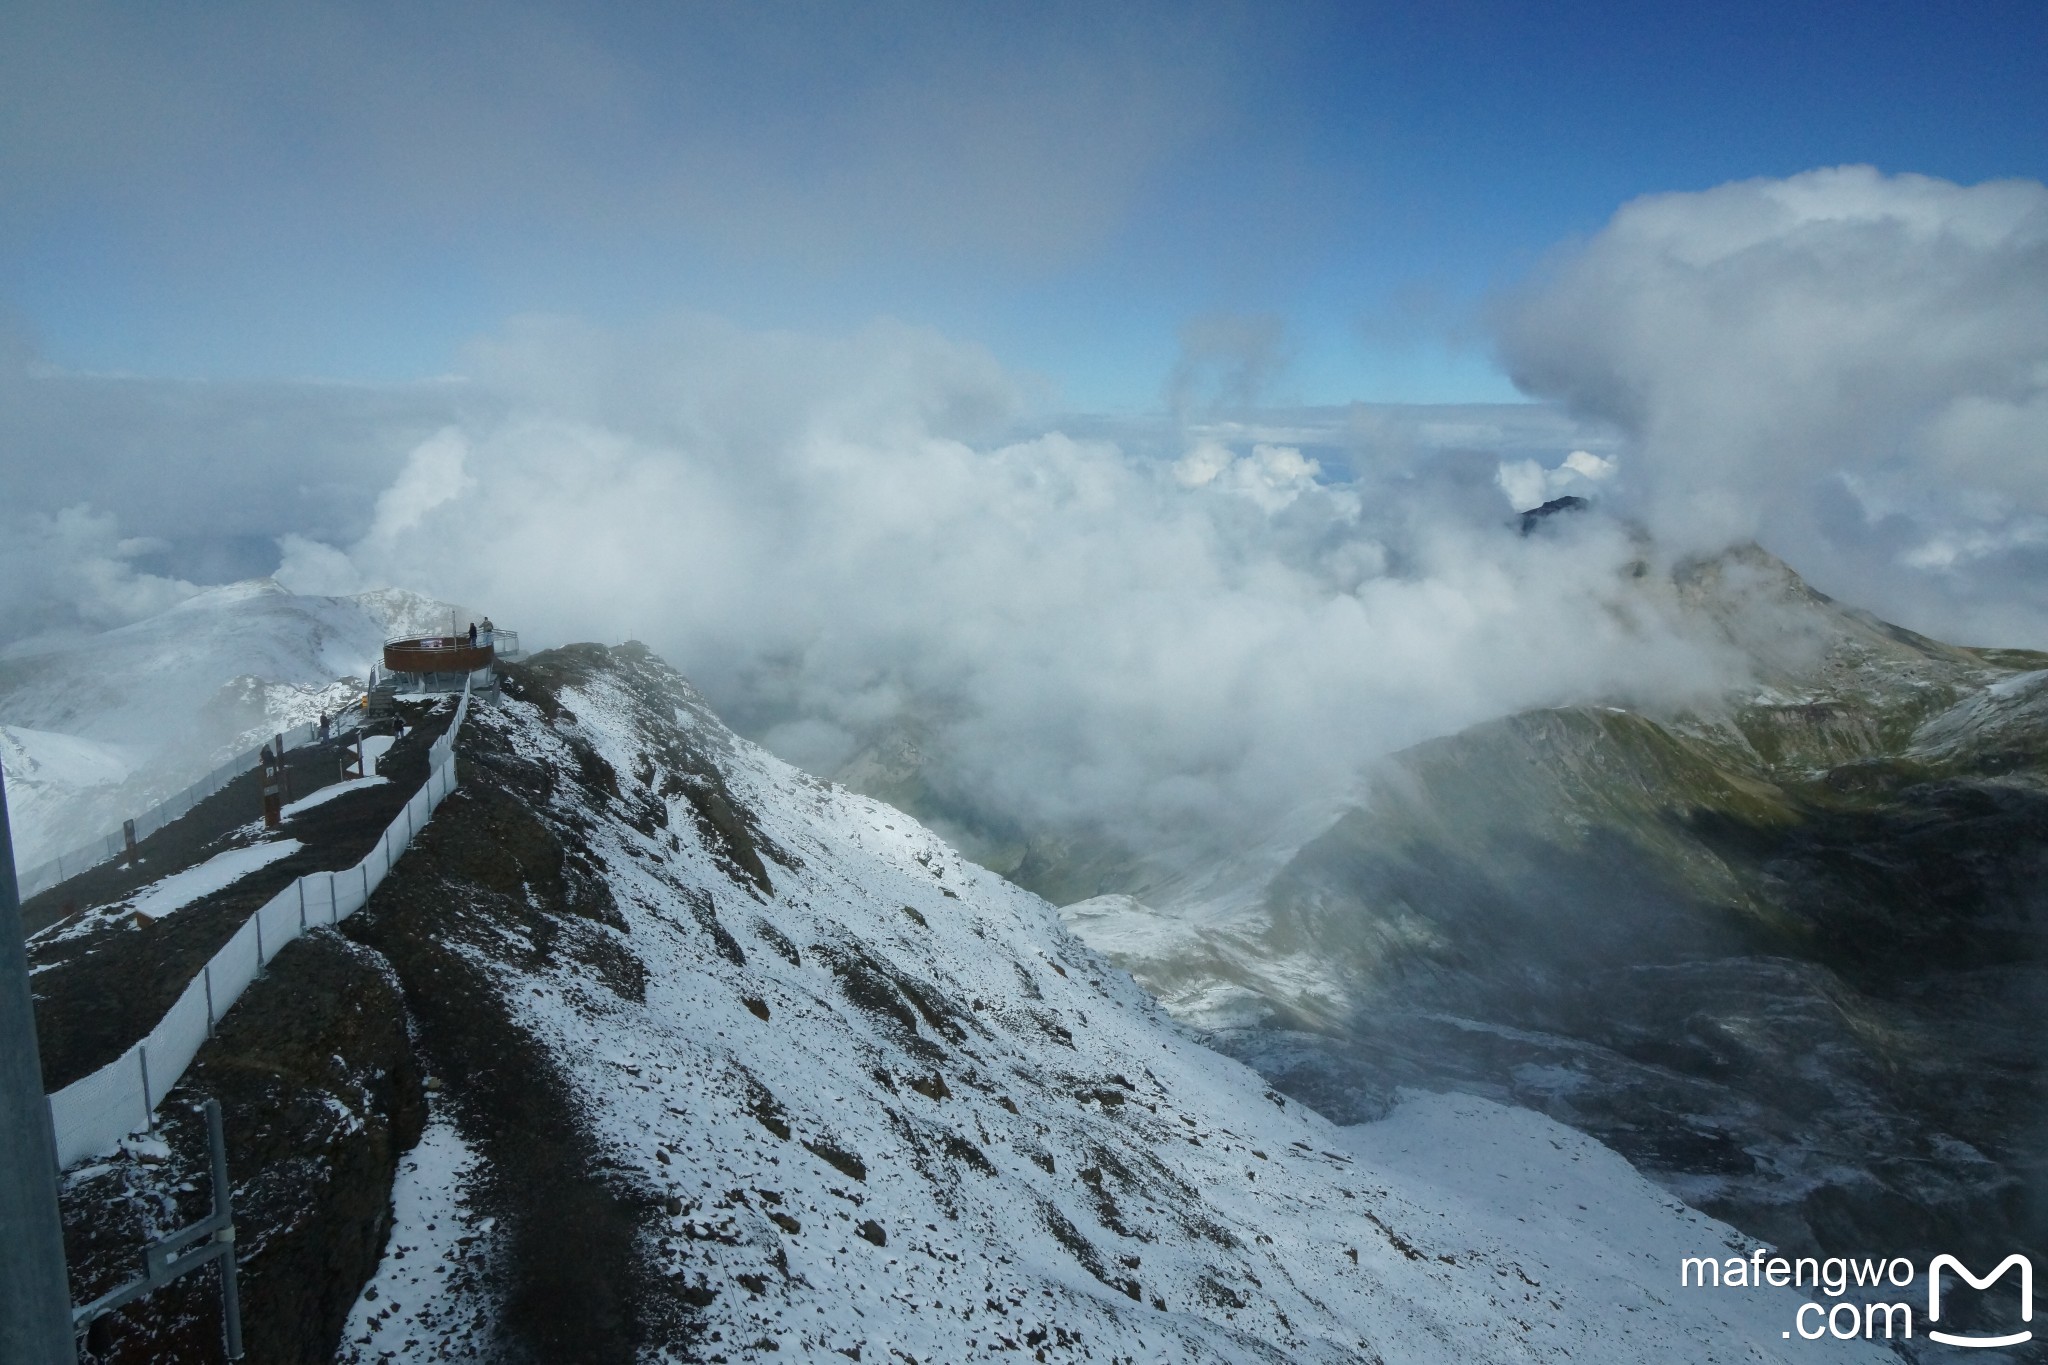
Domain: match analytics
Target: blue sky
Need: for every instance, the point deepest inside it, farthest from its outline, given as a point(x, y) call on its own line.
point(358, 192)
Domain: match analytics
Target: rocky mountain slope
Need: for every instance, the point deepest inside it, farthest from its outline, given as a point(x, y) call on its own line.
point(1785, 952)
point(693, 1057)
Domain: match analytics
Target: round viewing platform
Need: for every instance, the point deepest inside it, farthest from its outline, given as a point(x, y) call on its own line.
point(437, 654)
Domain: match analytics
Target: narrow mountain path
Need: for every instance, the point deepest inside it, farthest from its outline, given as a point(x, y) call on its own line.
point(77, 953)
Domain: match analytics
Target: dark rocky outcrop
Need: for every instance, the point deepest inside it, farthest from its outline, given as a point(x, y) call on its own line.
point(1536, 516)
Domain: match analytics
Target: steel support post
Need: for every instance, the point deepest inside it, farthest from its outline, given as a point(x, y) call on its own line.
point(35, 1290)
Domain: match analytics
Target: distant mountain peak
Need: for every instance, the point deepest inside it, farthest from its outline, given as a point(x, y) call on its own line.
point(1536, 516)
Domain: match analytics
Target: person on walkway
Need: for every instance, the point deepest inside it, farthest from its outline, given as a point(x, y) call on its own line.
point(489, 630)
point(472, 635)
point(324, 734)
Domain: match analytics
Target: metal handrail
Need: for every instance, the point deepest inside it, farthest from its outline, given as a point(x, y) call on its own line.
point(413, 637)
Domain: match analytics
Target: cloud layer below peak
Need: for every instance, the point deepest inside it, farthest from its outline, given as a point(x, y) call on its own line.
point(840, 535)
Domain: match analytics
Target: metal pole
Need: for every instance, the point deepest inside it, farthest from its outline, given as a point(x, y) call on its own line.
point(35, 1292)
point(207, 970)
point(148, 1100)
point(210, 1240)
point(223, 1203)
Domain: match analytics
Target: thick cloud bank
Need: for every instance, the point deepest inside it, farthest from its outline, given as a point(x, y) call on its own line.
point(1850, 366)
point(835, 534)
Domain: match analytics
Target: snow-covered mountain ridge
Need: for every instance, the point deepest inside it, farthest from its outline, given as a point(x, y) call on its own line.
point(734, 1062)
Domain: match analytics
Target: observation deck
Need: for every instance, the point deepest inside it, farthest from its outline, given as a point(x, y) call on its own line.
point(440, 663)
point(437, 654)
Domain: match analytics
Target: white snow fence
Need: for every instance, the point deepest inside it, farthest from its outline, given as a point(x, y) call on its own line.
point(94, 1113)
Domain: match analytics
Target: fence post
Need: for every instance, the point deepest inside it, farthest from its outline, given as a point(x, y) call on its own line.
point(148, 1104)
point(208, 971)
point(333, 902)
point(302, 905)
point(259, 945)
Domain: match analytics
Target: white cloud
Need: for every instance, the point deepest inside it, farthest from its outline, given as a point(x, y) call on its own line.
point(1524, 482)
point(827, 532)
point(1527, 484)
point(310, 566)
point(1202, 465)
point(1587, 465)
point(73, 569)
point(1270, 476)
point(433, 475)
point(1776, 350)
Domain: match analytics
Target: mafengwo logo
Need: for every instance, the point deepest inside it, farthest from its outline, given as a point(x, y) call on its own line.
point(1940, 1263)
point(1862, 1315)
